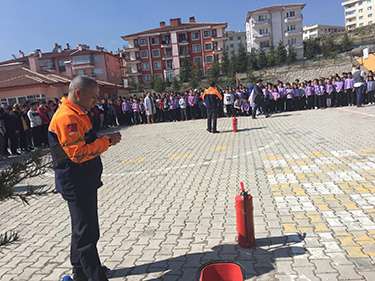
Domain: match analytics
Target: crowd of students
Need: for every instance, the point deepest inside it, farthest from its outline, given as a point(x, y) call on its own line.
point(24, 127)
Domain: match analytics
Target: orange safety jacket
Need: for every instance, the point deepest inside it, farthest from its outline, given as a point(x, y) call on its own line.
point(75, 150)
point(211, 97)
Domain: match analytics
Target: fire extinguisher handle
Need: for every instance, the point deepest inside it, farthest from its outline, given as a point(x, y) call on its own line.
point(242, 185)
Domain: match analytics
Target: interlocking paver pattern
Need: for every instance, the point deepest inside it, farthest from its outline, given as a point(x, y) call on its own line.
point(167, 204)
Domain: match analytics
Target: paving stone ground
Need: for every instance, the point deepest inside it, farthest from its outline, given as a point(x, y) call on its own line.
point(167, 204)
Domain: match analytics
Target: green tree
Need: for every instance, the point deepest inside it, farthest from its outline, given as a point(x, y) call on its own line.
point(292, 55)
point(186, 68)
point(312, 48)
point(242, 59)
point(328, 47)
point(262, 59)
point(234, 64)
point(271, 56)
point(158, 84)
point(176, 84)
point(252, 61)
point(195, 76)
point(281, 54)
point(214, 72)
point(346, 44)
point(225, 65)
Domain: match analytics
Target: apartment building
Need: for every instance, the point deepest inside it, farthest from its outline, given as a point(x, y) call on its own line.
point(319, 30)
point(69, 62)
point(266, 27)
point(159, 52)
point(358, 13)
point(233, 41)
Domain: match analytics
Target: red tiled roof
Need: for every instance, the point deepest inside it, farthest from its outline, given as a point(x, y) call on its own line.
point(17, 75)
point(169, 28)
point(53, 55)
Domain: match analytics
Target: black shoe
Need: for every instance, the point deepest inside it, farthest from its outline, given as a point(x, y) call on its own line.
point(215, 132)
point(209, 131)
point(79, 276)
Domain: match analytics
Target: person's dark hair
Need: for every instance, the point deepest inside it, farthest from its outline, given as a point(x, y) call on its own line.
point(213, 84)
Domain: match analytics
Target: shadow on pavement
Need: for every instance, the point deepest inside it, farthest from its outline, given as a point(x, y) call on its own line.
point(243, 130)
point(254, 262)
point(282, 115)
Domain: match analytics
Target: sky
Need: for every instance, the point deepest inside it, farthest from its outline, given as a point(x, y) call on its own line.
point(37, 24)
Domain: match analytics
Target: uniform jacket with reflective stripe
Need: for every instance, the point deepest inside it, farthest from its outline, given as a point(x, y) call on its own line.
point(75, 150)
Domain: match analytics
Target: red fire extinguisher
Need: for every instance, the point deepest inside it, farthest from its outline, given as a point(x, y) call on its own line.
point(234, 124)
point(245, 219)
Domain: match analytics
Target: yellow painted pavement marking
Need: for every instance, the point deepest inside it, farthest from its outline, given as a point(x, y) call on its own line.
point(180, 155)
point(137, 160)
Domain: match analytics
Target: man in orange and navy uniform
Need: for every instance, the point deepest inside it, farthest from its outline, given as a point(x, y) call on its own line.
point(76, 151)
point(212, 98)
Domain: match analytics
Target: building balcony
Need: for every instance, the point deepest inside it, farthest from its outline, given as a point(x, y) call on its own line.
point(132, 61)
point(131, 49)
point(166, 44)
point(132, 74)
point(292, 33)
point(261, 36)
point(222, 38)
point(293, 19)
point(261, 22)
point(167, 57)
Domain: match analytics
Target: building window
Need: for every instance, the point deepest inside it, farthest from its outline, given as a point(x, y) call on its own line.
point(168, 52)
point(98, 71)
point(290, 14)
point(369, 15)
point(195, 35)
point(292, 41)
point(142, 41)
point(146, 66)
point(264, 44)
point(208, 47)
point(155, 53)
point(209, 59)
point(239, 38)
point(155, 41)
point(143, 54)
point(182, 37)
point(80, 72)
point(262, 17)
point(291, 27)
point(369, 8)
point(207, 33)
point(361, 17)
point(169, 65)
point(360, 11)
point(231, 45)
point(197, 60)
point(147, 77)
point(61, 64)
point(81, 59)
point(157, 65)
point(166, 39)
point(197, 48)
point(230, 38)
point(183, 50)
point(370, 22)
point(263, 31)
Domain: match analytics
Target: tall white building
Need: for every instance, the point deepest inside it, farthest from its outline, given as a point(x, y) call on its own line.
point(234, 40)
point(319, 30)
point(269, 26)
point(358, 13)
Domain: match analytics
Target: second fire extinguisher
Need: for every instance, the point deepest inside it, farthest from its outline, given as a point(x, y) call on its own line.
point(234, 124)
point(245, 219)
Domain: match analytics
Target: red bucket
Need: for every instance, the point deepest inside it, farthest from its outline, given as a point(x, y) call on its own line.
point(221, 271)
